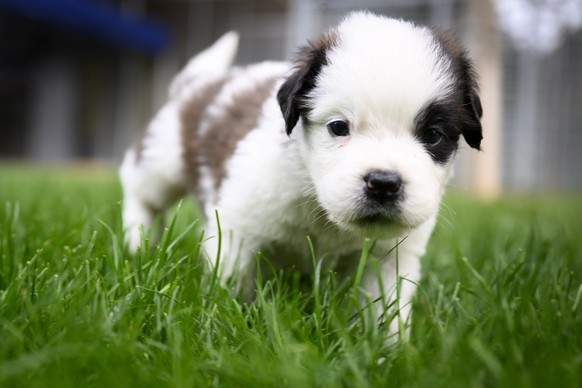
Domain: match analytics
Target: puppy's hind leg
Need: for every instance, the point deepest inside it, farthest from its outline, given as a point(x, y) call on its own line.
point(152, 175)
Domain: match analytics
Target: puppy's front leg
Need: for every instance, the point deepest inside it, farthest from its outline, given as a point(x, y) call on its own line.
point(229, 255)
point(392, 283)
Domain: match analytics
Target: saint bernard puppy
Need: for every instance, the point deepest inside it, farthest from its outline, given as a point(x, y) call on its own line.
point(353, 141)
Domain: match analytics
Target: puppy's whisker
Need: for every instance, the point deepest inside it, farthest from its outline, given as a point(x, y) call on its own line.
point(442, 215)
point(315, 214)
point(307, 202)
point(329, 224)
point(320, 213)
point(309, 192)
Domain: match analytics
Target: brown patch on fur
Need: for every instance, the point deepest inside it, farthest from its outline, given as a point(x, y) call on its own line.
point(240, 117)
point(217, 144)
point(192, 112)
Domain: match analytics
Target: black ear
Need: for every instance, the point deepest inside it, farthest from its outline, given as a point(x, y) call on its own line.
point(292, 95)
point(470, 111)
point(472, 129)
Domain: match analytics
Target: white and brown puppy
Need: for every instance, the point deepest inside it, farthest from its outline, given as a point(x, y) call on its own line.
point(355, 140)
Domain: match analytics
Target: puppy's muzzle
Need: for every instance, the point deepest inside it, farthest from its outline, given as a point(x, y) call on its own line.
point(383, 187)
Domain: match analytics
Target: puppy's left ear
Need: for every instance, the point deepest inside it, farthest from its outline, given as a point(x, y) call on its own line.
point(472, 129)
point(470, 111)
point(293, 94)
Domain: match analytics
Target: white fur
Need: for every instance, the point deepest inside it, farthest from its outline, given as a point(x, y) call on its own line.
point(281, 189)
point(214, 60)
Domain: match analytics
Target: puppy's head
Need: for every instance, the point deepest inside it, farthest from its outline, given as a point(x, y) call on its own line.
point(379, 106)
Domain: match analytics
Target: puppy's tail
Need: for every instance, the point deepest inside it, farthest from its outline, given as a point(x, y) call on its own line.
point(214, 61)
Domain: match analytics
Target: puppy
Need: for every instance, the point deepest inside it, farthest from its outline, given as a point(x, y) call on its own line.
point(353, 141)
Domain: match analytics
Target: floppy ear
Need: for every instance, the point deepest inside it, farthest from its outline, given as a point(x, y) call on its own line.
point(472, 130)
point(470, 111)
point(293, 94)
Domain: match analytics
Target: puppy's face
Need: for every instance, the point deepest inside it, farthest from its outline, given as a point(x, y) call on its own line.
point(379, 107)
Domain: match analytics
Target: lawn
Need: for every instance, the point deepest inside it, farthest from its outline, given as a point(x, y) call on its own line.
point(500, 302)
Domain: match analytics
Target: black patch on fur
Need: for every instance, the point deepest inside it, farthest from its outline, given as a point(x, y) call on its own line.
point(293, 93)
point(444, 117)
point(464, 103)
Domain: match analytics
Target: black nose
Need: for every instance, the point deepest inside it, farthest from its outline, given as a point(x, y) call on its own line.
point(383, 186)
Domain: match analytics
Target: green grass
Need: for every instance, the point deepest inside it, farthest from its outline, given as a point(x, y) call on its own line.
point(500, 303)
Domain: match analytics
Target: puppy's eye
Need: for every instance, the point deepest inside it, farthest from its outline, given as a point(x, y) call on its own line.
point(339, 128)
point(433, 136)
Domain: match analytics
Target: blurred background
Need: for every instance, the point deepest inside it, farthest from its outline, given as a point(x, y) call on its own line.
point(79, 79)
